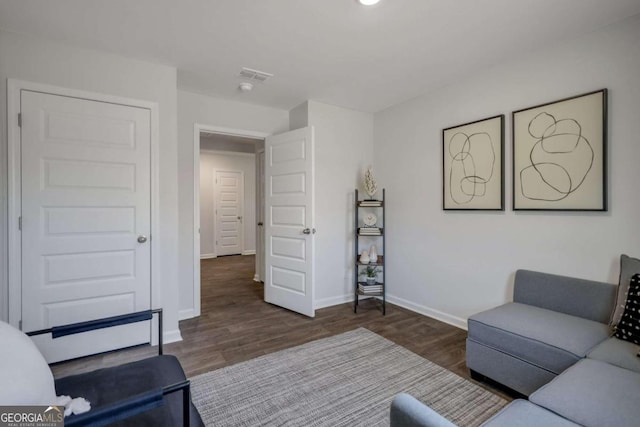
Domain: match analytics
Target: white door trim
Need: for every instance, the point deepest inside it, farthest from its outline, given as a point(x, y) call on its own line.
point(14, 87)
point(197, 129)
point(259, 274)
point(215, 207)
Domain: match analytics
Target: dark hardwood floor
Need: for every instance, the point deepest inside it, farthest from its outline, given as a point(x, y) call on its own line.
point(237, 325)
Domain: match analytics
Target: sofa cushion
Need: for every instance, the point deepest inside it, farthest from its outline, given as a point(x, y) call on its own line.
point(569, 295)
point(522, 413)
point(594, 394)
point(110, 385)
point(545, 338)
point(628, 267)
point(617, 352)
point(628, 328)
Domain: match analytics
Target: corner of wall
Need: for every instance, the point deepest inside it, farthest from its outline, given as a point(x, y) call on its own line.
point(299, 116)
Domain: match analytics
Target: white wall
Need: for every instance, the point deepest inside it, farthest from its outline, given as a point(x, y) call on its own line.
point(40, 61)
point(209, 163)
point(193, 108)
point(453, 264)
point(343, 150)
point(299, 116)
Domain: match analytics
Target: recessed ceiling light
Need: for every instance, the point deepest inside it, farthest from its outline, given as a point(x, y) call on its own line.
point(368, 2)
point(245, 87)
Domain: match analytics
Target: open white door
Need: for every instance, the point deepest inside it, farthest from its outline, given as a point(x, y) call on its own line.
point(289, 220)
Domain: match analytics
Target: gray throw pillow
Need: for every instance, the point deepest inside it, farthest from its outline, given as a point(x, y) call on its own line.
point(628, 267)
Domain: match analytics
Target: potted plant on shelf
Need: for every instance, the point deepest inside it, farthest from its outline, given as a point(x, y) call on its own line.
point(371, 274)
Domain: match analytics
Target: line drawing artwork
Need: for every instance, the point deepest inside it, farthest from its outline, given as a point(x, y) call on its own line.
point(559, 161)
point(473, 160)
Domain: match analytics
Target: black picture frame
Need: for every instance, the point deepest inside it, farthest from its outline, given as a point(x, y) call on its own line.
point(473, 183)
point(559, 155)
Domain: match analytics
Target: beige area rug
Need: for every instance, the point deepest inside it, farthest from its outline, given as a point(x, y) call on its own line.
point(344, 380)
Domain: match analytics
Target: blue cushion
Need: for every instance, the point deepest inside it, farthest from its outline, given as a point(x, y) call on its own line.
point(593, 394)
point(522, 413)
point(617, 352)
point(545, 338)
point(107, 386)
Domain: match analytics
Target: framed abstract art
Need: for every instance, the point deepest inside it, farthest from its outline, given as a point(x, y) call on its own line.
point(473, 165)
point(560, 155)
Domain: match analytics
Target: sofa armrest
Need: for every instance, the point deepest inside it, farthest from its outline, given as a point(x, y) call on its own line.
point(407, 411)
point(576, 297)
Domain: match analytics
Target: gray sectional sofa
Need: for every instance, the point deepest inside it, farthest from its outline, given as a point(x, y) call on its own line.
point(553, 344)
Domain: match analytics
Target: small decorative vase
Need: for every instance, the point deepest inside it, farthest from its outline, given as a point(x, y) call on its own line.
point(371, 280)
point(373, 254)
point(364, 257)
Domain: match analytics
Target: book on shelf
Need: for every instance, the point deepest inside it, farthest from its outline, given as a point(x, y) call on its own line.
point(362, 292)
point(370, 231)
point(370, 288)
point(371, 204)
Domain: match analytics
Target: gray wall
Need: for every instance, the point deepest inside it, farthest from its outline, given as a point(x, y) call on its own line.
point(453, 264)
point(40, 61)
point(343, 150)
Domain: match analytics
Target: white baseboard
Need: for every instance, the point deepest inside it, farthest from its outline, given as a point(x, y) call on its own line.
point(188, 313)
point(171, 336)
point(458, 322)
point(328, 302)
point(207, 256)
point(249, 252)
point(256, 278)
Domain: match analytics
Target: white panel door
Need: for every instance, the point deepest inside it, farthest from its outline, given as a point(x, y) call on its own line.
point(229, 198)
point(86, 220)
point(289, 216)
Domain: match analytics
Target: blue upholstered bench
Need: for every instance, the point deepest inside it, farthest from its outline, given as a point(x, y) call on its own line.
point(149, 392)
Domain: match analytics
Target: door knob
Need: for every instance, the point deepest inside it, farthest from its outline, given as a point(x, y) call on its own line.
point(142, 239)
point(260, 224)
point(309, 231)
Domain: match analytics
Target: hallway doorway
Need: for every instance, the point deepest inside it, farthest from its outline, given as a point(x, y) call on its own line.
point(227, 208)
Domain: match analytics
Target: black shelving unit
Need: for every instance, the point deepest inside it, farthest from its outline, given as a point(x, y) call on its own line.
point(361, 231)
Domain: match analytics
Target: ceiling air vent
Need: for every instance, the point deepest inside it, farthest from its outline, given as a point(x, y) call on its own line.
point(255, 75)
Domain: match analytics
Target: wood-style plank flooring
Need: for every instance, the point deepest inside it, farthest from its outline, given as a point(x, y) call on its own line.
point(237, 325)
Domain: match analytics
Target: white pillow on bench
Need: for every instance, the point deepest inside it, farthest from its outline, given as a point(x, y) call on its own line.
point(25, 377)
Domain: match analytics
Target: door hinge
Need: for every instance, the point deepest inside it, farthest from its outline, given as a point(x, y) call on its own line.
point(20, 120)
point(20, 324)
point(20, 223)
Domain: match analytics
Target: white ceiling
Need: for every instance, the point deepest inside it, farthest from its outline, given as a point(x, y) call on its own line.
point(334, 51)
